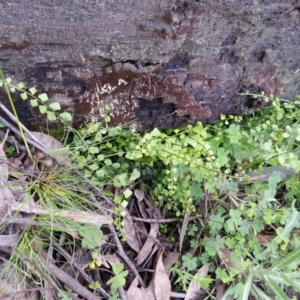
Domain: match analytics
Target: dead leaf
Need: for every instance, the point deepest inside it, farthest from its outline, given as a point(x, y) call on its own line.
point(109, 259)
point(136, 293)
point(78, 216)
point(184, 226)
point(139, 194)
point(3, 164)
point(147, 247)
point(130, 233)
point(53, 146)
point(264, 175)
point(142, 208)
point(195, 288)
point(225, 256)
point(170, 259)
point(9, 240)
point(220, 288)
point(162, 284)
point(265, 239)
point(153, 213)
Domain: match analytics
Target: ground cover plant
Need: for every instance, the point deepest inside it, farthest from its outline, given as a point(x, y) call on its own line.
point(207, 211)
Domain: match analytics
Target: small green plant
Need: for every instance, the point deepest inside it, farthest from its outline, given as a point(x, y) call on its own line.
point(96, 262)
point(119, 278)
point(40, 101)
point(95, 285)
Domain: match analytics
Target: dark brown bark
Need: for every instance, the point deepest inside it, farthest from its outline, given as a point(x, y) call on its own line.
point(155, 63)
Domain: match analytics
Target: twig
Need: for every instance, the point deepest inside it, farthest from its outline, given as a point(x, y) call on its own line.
point(122, 293)
point(16, 131)
point(123, 255)
point(14, 294)
point(13, 118)
point(172, 220)
point(27, 221)
point(66, 279)
point(177, 295)
point(79, 269)
point(13, 141)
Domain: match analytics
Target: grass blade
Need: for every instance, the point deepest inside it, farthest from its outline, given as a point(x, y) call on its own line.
point(287, 260)
point(280, 294)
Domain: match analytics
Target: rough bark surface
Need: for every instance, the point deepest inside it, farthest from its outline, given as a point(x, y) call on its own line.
point(155, 63)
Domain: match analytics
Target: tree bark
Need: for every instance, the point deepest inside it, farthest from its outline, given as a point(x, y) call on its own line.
point(154, 63)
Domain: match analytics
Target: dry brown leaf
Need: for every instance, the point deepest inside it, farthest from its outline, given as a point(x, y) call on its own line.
point(139, 194)
point(53, 146)
point(220, 288)
point(14, 283)
point(194, 288)
point(3, 164)
point(265, 239)
point(3, 180)
point(9, 240)
point(162, 284)
point(170, 259)
point(109, 259)
point(143, 209)
point(184, 226)
point(147, 247)
point(225, 256)
point(130, 233)
point(136, 293)
point(78, 216)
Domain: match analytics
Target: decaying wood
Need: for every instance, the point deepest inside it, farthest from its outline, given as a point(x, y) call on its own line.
point(154, 63)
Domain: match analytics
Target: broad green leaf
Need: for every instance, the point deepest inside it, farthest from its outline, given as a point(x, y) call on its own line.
point(55, 106)
point(34, 102)
point(94, 167)
point(65, 116)
point(21, 85)
point(216, 222)
point(32, 90)
point(155, 132)
point(91, 234)
point(189, 262)
point(43, 109)
point(94, 150)
point(94, 255)
point(134, 175)
point(100, 157)
point(51, 116)
point(117, 268)
point(100, 173)
point(121, 180)
point(24, 96)
point(44, 97)
point(93, 128)
point(107, 162)
point(127, 193)
point(292, 222)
